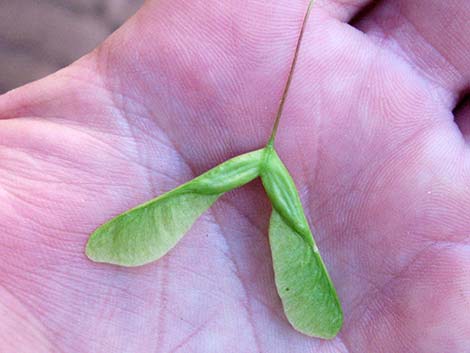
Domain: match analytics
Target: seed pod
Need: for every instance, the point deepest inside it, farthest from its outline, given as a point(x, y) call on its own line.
point(229, 175)
point(148, 231)
point(283, 194)
point(308, 296)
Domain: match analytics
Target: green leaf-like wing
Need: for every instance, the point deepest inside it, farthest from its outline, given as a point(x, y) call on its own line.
point(147, 232)
point(308, 296)
point(307, 293)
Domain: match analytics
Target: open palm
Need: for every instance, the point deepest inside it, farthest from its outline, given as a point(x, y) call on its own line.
point(368, 135)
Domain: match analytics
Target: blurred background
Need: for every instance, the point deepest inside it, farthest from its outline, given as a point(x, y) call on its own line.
point(38, 37)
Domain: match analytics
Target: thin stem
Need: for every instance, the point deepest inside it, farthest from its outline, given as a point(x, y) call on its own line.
point(289, 78)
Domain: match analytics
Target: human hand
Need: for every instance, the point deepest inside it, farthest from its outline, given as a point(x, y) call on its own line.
point(367, 134)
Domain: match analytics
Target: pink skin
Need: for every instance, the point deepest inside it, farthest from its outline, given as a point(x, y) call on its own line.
point(368, 135)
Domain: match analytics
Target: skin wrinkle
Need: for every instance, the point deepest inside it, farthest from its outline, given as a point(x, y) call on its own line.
point(102, 70)
point(79, 184)
point(346, 340)
point(357, 274)
point(449, 279)
point(370, 181)
point(260, 231)
point(98, 140)
point(20, 198)
point(276, 313)
point(203, 276)
point(180, 154)
point(370, 295)
point(31, 219)
point(206, 104)
point(130, 127)
point(359, 172)
point(341, 194)
point(224, 253)
point(387, 37)
point(138, 150)
point(187, 340)
point(109, 295)
point(49, 246)
point(230, 294)
point(61, 161)
point(237, 230)
point(59, 230)
point(38, 234)
point(28, 309)
point(380, 289)
point(338, 194)
point(452, 242)
point(355, 306)
point(181, 318)
point(441, 54)
point(71, 288)
point(227, 201)
point(313, 180)
point(127, 159)
point(97, 83)
point(238, 273)
point(305, 193)
point(161, 322)
point(11, 170)
point(402, 54)
point(121, 291)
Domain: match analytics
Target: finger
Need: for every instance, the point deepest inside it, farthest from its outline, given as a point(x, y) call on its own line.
point(462, 118)
point(432, 35)
point(343, 10)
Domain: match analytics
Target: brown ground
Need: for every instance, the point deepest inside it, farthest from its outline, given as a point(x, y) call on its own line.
point(38, 37)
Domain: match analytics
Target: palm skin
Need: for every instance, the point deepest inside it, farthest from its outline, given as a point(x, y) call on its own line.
point(367, 133)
